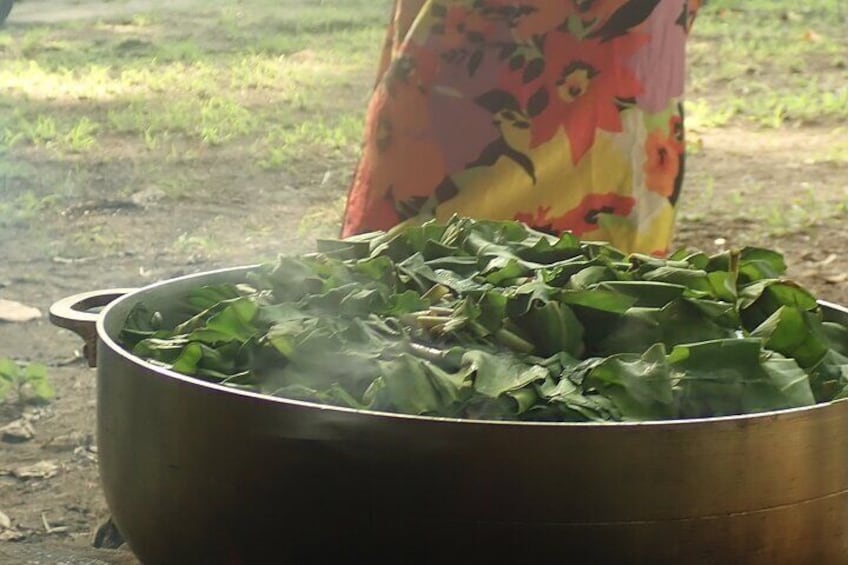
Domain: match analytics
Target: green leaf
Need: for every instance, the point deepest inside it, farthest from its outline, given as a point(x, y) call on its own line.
point(591, 275)
point(376, 269)
point(160, 349)
point(759, 300)
point(836, 336)
point(524, 398)
point(735, 376)
point(291, 279)
point(647, 294)
point(497, 374)
point(492, 305)
point(552, 328)
point(696, 260)
point(233, 323)
point(692, 279)
point(723, 314)
point(207, 297)
point(723, 285)
point(567, 396)
point(678, 322)
point(500, 270)
point(188, 359)
point(405, 303)
point(598, 299)
point(408, 386)
point(829, 378)
point(794, 333)
point(539, 248)
point(640, 387)
point(351, 248)
point(529, 294)
point(464, 266)
point(757, 264)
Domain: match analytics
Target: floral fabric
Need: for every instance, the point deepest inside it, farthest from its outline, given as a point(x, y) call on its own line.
point(563, 114)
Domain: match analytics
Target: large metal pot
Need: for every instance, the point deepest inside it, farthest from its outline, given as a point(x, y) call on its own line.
point(198, 473)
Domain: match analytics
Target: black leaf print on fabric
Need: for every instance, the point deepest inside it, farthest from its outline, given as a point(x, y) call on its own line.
point(533, 70)
point(410, 208)
point(516, 62)
point(474, 62)
point(496, 100)
point(446, 190)
point(679, 133)
point(624, 19)
point(683, 19)
point(538, 102)
point(507, 50)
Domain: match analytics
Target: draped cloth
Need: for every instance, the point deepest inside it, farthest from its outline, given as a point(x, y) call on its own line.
point(563, 114)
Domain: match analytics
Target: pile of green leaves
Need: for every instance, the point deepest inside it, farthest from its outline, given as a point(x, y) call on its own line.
point(491, 320)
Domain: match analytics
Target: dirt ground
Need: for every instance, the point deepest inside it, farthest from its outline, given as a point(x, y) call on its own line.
point(734, 175)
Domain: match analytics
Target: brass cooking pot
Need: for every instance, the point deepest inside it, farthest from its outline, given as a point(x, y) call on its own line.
point(199, 473)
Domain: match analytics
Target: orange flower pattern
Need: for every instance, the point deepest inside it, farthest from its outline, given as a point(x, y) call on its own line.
point(563, 114)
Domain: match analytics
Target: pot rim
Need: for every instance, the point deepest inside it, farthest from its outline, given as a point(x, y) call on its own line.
point(107, 340)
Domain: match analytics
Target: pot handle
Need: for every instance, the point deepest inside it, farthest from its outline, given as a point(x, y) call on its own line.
point(74, 313)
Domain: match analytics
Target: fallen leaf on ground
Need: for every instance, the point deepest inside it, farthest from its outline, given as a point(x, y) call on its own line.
point(15, 312)
point(12, 535)
point(18, 431)
point(67, 442)
point(829, 259)
point(51, 529)
point(5, 522)
point(40, 470)
point(836, 279)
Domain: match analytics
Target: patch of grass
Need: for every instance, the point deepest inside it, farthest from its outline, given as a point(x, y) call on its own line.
point(804, 211)
point(80, 137)
point(274, 67)
point(323, 220)
point(191, 243)
point(43, 130)
point(213, 121)
point(837, 152)
point(21, 208)
point(701, 114)
point(97, 240)
point(770, 63)
point(310, 140)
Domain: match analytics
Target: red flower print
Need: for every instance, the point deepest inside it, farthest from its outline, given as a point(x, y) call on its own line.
point(582, 219)
point(662, 165)
point(664, 152)
point(539, 220)
point(577, 88)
